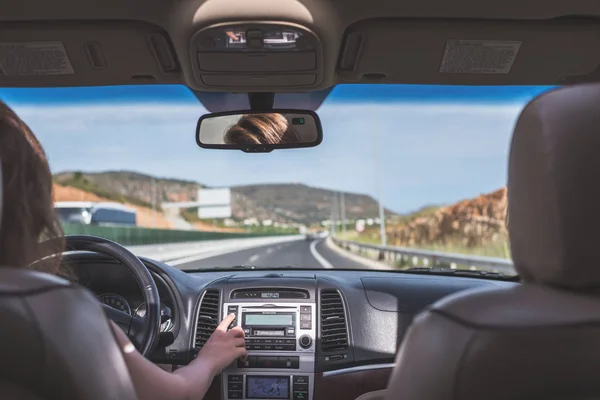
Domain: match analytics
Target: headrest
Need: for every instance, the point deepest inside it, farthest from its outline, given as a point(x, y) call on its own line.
point(554, 189)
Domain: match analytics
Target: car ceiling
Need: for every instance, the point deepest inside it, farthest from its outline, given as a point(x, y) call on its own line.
point(375, 41)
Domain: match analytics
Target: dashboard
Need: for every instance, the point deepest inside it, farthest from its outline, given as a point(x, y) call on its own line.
point(310, 334)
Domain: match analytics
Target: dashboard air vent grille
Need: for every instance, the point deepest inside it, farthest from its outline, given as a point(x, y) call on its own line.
point(334, 330)
point(208, 317)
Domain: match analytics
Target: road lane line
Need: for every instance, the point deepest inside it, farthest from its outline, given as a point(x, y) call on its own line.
point(313, 250)
point(210, 253)
point(254, 258)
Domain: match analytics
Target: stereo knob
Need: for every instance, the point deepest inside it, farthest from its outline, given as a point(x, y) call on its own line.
point(305, 341)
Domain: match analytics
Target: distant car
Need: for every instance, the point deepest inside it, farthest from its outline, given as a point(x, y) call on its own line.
point(316, 235)
point(95, 213)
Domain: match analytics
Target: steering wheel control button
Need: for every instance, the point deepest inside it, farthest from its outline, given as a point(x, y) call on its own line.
point(305, 341)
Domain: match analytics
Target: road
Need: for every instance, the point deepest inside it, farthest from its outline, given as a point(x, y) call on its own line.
point(296, 254)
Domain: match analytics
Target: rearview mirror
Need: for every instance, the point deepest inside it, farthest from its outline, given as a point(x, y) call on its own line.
point(253, 131)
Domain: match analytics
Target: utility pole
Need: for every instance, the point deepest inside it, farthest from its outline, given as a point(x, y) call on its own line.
point(343, 201)
point(154, 201)
point(379, 188)
point(332, 225)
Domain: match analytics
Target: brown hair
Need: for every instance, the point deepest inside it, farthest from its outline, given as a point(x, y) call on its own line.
point(269, 128)
point(27, 215)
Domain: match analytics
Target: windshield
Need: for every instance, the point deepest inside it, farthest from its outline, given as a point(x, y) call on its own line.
point(407, 176)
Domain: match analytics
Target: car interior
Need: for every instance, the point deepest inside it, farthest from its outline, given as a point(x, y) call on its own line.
point(359, 333)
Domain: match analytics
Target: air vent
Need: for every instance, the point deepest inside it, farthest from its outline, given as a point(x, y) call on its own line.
point(208, 317)
point(334, 331)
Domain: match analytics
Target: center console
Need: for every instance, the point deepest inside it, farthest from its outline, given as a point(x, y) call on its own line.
point(280, 338)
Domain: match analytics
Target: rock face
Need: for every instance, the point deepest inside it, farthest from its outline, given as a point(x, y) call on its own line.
point(469, 223)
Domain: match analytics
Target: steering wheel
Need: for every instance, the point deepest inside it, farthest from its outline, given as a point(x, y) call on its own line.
point(143, 332)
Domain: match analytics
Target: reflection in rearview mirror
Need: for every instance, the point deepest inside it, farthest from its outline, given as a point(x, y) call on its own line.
point(258, 132)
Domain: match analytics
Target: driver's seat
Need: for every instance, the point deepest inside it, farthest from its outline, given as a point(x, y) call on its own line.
point(56, 342)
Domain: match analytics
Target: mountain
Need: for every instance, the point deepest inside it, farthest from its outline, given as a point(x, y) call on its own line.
point(130, 186)
point(282, 203)
point(306, 204)
point(474, 226)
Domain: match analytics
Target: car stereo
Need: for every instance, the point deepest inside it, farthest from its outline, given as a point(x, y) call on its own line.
point(275, 327)
point(281, 350)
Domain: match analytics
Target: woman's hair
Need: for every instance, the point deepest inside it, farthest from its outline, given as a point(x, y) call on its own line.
point(27, 216)
point(269, 128)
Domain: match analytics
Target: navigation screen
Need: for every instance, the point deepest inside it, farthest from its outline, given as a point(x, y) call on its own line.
point(267, 387)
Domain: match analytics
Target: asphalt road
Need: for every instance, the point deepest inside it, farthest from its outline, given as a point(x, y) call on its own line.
point(296, 254)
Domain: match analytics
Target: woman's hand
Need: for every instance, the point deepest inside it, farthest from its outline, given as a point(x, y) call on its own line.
point(223, 346)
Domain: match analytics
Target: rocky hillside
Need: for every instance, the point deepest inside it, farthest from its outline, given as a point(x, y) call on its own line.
point(301, 203)
point(283, 203)
point(472, 223)
point(130, 186)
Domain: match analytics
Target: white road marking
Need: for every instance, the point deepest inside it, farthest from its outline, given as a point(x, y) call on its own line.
point(210, 254)
point(313, 250)
point(254, 258)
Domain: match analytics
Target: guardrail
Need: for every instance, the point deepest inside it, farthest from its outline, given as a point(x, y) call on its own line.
point(135, 236)
point(404, 255)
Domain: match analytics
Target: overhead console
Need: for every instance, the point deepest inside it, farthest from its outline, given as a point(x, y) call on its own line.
point(256, 56)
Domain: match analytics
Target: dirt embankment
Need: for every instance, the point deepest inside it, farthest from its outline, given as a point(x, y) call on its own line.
point(469, 223)
point(145, 216)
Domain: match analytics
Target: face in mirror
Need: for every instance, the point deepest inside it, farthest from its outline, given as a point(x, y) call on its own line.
point(255, 131)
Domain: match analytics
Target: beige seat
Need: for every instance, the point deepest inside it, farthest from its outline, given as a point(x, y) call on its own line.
point(540, 340)
point(56, 342)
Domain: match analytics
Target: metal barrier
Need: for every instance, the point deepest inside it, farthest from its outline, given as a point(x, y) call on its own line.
point(134, 236)
point(404, 255)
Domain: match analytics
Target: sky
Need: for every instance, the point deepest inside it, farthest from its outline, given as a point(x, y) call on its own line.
point(416, 145)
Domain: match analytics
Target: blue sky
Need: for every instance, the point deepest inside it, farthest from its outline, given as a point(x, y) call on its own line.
point(435, 144)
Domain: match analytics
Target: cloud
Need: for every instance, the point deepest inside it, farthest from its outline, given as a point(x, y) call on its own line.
point(421, 153)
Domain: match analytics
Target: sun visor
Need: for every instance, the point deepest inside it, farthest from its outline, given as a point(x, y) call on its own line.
point(85, 54)
point(465, 52)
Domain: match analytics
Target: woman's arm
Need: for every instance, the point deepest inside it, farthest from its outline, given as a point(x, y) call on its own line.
point(189, 382)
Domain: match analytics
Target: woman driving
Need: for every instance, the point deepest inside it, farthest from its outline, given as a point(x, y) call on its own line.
point(270, 128)
point(29, 218)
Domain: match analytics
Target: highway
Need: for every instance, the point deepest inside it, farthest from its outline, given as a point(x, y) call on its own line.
point(296, 254)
